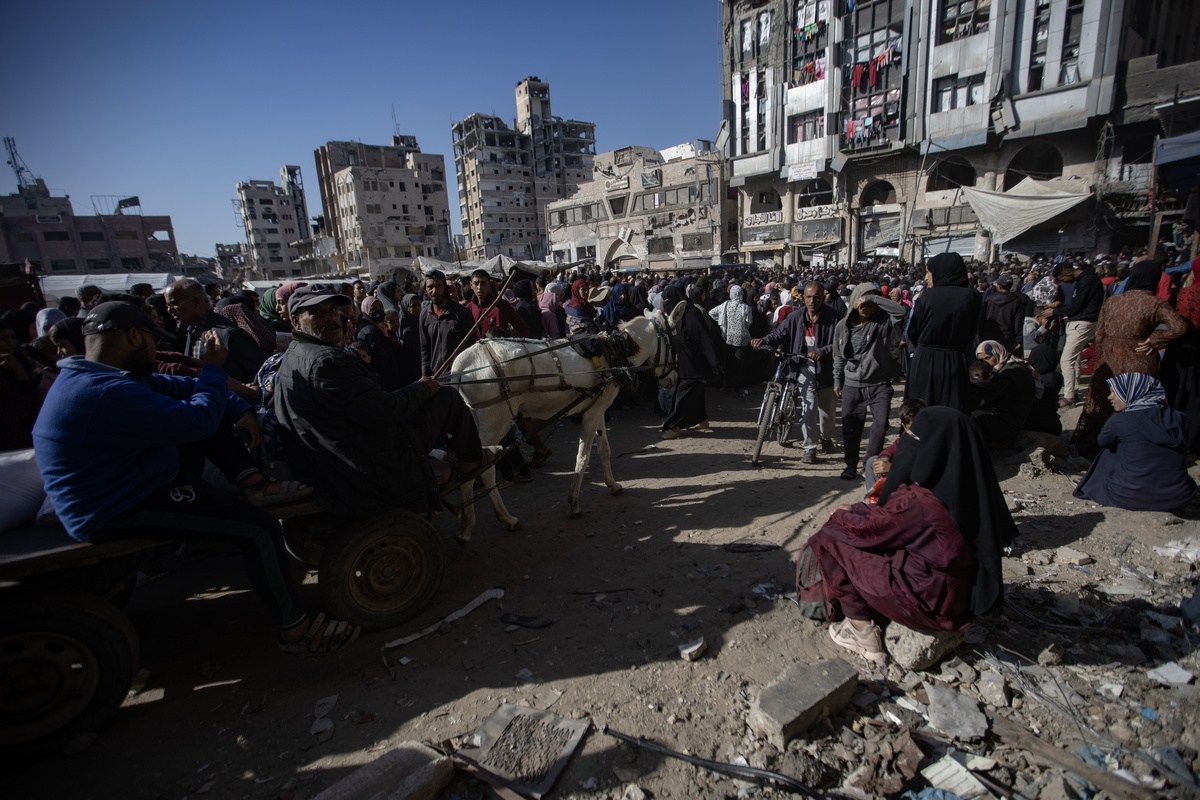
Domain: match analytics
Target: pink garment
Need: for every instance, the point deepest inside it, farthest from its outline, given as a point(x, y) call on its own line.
point(549, 303)
point(284, 293)
point(241, 315)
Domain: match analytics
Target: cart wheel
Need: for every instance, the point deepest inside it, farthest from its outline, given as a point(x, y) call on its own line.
point(67, 661)
point(383, 573)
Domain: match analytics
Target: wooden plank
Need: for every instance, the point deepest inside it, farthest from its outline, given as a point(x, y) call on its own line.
point(1042, 751)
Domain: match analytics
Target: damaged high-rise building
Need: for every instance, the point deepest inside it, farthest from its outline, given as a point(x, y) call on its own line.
point(882, 128)
point(384, 205)
point(508, 175)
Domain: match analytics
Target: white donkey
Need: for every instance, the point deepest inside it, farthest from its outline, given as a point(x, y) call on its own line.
point(503, 369)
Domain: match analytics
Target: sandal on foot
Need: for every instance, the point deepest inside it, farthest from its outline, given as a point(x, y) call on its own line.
point(333, 637)
point(286, 491)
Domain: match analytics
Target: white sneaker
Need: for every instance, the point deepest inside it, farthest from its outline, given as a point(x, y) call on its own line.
point(868, 643)
point(671, 433)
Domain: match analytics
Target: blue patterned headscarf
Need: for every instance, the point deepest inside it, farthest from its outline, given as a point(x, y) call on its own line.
point(1136, 390)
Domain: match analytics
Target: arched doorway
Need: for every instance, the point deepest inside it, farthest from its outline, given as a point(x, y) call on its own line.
point(878, 193)
point(1039, 161)
point(816, 192)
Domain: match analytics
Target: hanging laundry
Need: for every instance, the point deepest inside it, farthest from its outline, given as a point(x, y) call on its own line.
point(819, 72)
point(874, 74)
point(856, 75)
point(745, 90)
point(849, 129)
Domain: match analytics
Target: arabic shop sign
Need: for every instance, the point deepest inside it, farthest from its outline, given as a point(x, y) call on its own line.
point(764, 218)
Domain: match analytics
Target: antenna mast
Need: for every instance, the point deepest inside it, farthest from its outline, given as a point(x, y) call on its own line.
point(24, 176)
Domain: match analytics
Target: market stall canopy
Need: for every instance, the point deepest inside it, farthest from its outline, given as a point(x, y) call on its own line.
point(63, 285)
point(1178, 161)
point(1029, 203)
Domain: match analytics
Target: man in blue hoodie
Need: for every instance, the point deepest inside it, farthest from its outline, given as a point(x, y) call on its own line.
point(121, 448)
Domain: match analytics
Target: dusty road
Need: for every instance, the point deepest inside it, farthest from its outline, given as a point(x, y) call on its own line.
point(222, 713)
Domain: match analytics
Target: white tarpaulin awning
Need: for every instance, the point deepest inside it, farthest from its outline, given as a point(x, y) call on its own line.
point(62, 285)
point(1029, 203)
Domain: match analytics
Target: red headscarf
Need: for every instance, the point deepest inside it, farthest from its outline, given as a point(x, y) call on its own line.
point(579, 290)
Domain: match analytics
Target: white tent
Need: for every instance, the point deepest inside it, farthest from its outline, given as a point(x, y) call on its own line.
point(1008, 214)
point(63, 285)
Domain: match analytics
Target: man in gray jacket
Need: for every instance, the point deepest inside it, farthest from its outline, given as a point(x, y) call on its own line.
point(863, 342)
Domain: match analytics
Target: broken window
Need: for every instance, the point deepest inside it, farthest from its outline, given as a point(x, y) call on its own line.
point(56, 236)
point(806, 127)
point(962, 18)
point(955, 92)
point(616, 205)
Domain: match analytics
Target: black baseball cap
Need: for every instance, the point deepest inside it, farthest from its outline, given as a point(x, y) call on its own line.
point(313, 295)
point(118, 315)
point(1005, 280)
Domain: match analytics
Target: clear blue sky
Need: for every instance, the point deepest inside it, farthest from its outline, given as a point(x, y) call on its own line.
point(177, 102)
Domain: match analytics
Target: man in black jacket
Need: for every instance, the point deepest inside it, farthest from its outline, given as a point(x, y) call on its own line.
point(189, 304)
point(1004, 313)
point(444, 323)
point(1081, 312)
point(366, 449)
point(810, 332)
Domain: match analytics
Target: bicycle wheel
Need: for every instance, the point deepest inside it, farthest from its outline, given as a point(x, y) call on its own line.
point(786, 416)
point(766, 420)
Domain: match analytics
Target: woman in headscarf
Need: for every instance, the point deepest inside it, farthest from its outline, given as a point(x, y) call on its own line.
point(696, 350)
point(384, 352)
point(46, 318)
point(240, 312)
point(638, 298)
point(619, 308)
point(408, 337)
point(940, 333)
point(273, 306)
point(1142, 465)
point(927, 555)
point(528, 310)
point(553, 318)
point(1127, 340)
point(1006, 399)
point(734, 318)
point(784, 308)
point(581, 316)
point(67, 336)
point(268, 309)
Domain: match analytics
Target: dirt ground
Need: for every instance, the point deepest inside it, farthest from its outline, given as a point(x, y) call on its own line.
point(222, 713)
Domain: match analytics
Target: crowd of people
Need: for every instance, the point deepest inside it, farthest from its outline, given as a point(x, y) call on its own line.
point(124, 397)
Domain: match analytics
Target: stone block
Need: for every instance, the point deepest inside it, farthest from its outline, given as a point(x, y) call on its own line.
point(955, 714)
point(913, 650)
point(411, 771)
point(800, 697)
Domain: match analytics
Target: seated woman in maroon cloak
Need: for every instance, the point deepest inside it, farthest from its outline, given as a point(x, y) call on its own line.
point(927, 555)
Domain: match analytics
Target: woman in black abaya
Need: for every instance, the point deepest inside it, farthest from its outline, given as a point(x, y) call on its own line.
point(941, 333)
point(697, 351)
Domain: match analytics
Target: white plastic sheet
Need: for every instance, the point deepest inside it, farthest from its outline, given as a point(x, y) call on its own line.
point(1008, 214)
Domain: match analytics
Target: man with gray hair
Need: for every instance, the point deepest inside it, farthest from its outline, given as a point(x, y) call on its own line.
point(189, 304)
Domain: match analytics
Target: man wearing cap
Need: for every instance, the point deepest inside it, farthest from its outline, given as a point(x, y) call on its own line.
point(121, 450)
point(366, 449)
point(444, 323)
point(190, 305)
point(1004, 313)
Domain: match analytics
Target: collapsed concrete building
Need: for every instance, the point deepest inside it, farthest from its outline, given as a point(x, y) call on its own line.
point(508, 175)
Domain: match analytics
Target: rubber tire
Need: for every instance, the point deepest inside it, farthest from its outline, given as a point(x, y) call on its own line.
point(101, 668)
point(766, 421)
point(787, 419)
point(384, 573)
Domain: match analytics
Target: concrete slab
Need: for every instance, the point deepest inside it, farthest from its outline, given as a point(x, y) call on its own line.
point(801, 696)
point(411, 771)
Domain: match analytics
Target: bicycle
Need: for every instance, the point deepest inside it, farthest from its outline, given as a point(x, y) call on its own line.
point(777, 413)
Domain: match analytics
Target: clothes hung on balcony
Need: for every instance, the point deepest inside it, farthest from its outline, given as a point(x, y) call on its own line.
point(819, 71)
point(873, 69)
point(856, 75)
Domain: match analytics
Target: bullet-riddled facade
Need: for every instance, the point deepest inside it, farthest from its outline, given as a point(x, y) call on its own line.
point(508, 175)
point(646, 209)
point(862, 129)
